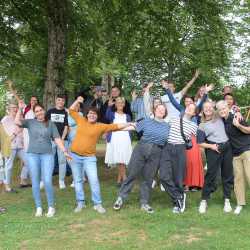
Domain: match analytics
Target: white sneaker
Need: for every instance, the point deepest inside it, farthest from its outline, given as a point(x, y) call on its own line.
point(162, 188)
point(51, 212)
point(154, 184)
point(203, 207)
point(39, 212)
point(79, 208)
point(41, 185)
point(147, 208)
point(176, 210)
point(62, 185)
point(238, 210)
point(227, 206)
point(99, 208)
point(72, 184)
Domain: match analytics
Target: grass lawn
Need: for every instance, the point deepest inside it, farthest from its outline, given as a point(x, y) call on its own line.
point(127, 229)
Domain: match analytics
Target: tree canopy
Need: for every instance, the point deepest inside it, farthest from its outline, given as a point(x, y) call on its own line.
point(49, 47)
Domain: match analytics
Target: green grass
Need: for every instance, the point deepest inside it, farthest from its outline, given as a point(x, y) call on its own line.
point(127, 229)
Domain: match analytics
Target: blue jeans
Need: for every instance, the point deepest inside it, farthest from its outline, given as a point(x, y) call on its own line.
point(9, 162)
point(41, 165)
point(88, 165)
point(62, 164)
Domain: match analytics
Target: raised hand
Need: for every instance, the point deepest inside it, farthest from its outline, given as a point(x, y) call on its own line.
point(80, 99)
point(209, 87)
point(111, 102)
point(164, 84)
point(21, 104)
point(197, 73)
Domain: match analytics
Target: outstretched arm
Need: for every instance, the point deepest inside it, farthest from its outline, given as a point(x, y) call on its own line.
point(191, 82)
point(19, 114)
point(13, 92)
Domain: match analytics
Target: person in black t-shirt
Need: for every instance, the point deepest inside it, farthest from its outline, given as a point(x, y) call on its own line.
point(239, 136)
point(59, 116)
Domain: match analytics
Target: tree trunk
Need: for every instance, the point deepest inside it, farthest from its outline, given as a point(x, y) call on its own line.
point(57, 27)
point(108, 81)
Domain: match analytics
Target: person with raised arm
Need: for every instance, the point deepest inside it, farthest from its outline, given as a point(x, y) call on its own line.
point(83, 153)
point(39, 154)
point(172, 111)
point(145, 158)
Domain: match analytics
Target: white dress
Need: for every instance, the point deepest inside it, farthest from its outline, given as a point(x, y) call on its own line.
point(119, 149)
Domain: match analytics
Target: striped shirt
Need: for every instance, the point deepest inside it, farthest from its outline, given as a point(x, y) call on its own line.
point(154, 131)
point(189, 128)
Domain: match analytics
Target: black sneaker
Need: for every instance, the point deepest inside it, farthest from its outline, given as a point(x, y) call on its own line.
point(118, 204)
point(182, 203)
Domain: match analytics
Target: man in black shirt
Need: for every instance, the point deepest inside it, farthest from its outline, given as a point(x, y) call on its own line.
point(239, 136)
point(59, 116)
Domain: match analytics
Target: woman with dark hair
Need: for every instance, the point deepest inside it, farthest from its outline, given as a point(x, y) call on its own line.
point(119, 148)
point(83, 151)
point(194, 177)
point(39, 154)
point(229, 98)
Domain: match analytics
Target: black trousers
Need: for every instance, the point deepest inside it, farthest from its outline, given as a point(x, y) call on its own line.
point(173, 170)
point(143, 164)
point(216, 162)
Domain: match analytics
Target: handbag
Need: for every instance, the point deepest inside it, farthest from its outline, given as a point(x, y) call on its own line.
point(188, 142)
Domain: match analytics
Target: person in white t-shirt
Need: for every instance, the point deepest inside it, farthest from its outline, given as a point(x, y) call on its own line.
point(172, 111)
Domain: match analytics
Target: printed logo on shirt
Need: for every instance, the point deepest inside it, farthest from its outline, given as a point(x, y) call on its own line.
point(57, 118)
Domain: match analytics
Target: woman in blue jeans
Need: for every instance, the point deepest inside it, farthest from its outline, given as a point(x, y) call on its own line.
point(39, 154)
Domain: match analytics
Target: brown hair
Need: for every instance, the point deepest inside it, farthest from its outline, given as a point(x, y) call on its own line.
point(166, 111)
point(46, 121)
point(93, 109)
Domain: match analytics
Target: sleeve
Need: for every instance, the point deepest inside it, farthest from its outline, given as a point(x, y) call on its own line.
point(109, 115)
point(66, 123)
point(201, 136)
point(134, 106)
point(140, 126)
point(54, 131)
point(25, 123)
point(108, 127)
point(74, 114)
point(179, 95)
point(177, 105)
point(199, 106)
point(147, 100)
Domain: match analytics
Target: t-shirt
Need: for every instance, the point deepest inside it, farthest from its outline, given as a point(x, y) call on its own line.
point(172, 111)
point(189, 129)
point(87, 134)
point(212, 131)
point(240, 141)
point(40, 136)
point(154, 131)
point(59, 117)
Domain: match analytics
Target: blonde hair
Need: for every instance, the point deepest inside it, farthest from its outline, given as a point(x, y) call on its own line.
point(221, 103)
point(215, 115)
point(119, 98)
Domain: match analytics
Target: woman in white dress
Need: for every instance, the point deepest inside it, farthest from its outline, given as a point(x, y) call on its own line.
point(119, 148)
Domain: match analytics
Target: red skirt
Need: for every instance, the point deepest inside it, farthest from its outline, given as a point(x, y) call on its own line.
point(194, 166)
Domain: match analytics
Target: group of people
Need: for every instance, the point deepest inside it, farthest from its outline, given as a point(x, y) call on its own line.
point(170, 135)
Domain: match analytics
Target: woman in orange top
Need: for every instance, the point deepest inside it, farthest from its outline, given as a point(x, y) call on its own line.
point(83, 151)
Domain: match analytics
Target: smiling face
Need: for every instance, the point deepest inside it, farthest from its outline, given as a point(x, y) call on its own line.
point(223, 109)
point(156, 102)
point(12, 110)
point(190, 110)
point(92, 116)
point(230, 100)
point(119, 104)
point(60, 102)
point(33, 101)
point(160, 111)
point(188, 101)
point(39, 113)
point(208, 109)
point(115, 92)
